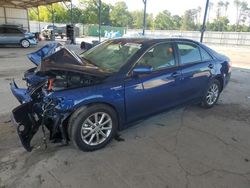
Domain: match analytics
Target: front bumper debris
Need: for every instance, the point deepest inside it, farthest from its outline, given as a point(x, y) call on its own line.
point(26, 124)
point(21, 94)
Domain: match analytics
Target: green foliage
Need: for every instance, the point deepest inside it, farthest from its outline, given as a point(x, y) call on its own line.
point(90, 12)
point(164, 20)
point(137, 20)
point(219, 24)
point(118, 15)
point(188, 20)
point(45, 13)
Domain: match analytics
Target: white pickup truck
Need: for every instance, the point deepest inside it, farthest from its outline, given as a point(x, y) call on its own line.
point(48, 29)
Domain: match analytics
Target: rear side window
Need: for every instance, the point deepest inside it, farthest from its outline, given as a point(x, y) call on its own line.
point(205, 56)
point(189, 53)
point(1, 30)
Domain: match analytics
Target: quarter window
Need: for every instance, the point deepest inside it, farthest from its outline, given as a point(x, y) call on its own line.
point(205, 56)
point(159, 57)
point(189, 53)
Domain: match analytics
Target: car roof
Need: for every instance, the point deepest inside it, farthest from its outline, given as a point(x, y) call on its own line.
point(11, 26)
point(151, 40)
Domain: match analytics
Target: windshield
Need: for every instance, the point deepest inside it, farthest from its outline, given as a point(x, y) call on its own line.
point(111, 55)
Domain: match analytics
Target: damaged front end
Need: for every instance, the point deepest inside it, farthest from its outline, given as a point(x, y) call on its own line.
point(35, 111)
point(41, 107)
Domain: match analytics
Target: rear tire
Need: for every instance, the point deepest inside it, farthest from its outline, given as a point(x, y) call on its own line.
point(93, 127)
point(212, 94)
point(25, 43)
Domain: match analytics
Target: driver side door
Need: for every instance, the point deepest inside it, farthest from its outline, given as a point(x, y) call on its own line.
point(152, 92)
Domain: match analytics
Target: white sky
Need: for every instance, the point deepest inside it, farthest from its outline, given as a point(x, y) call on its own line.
point(177, 6)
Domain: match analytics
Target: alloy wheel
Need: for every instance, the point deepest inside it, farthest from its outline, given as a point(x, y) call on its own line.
point(96, 128)
point(212, 94)
point(25, 44)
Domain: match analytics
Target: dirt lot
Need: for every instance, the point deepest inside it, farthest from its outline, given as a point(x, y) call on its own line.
point(184, 147)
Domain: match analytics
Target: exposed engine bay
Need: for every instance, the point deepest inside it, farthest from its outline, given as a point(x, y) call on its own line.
point(68, 80)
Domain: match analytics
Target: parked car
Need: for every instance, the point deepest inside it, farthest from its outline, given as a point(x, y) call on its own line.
point(15, 35)
point(59, 31)
point(87, 98)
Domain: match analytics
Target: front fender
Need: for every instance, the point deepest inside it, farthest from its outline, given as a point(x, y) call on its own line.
point(21, 94)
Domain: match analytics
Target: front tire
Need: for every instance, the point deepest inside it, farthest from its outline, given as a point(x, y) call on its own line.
point(25, 43)
point(212, 94)
point(94, 127)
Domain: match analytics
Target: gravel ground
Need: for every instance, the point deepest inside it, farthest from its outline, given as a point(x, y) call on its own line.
point(184, 147)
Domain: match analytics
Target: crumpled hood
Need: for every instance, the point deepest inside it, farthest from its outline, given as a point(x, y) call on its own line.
point(37, 56)
point(66, 60)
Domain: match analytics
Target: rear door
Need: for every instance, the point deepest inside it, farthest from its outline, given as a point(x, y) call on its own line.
point(150, 93)
point(13, 35)
point(196, 67)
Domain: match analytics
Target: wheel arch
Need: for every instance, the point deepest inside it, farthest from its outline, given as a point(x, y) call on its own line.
point(220, 79)
point(69, 120)
point(20, 42)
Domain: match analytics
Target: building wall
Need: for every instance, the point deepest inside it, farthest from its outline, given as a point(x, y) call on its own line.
point(14, 16)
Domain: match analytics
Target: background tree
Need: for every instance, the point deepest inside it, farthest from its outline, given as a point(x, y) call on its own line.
point(164, 20)
point(177, 20)
point(60, 13)
point(226, 4)
point(219, 24)
point(119, 15)
point(137, 20)
point(188, 20)
point(220, 5)
point(210, 8)
point(90, 11)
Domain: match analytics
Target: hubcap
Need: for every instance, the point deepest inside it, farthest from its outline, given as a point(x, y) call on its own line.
point(96, 128)
point(25, 43)
point(212, 94)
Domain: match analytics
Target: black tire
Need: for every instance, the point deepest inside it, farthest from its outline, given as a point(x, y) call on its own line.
point(25, 43)
point(206, 103)
point(62, 36)
point(77, 120)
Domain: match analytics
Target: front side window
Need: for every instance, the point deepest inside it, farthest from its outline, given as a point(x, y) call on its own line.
point(111, 55)
point(159, 57)
point(189, 53)
point(12, 31)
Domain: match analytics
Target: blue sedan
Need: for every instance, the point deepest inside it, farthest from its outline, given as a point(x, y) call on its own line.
point(88, 98)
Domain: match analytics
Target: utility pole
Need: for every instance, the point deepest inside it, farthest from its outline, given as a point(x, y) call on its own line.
point(203, 29)
point(71, 13)
point(53, 22)
point(99, 17)
point(144, 16)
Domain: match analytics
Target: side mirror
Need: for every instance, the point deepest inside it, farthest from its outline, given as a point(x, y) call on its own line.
point(142, 69)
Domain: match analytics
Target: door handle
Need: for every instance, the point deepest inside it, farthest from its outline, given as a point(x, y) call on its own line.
point(176, 74)
point(211, 66)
